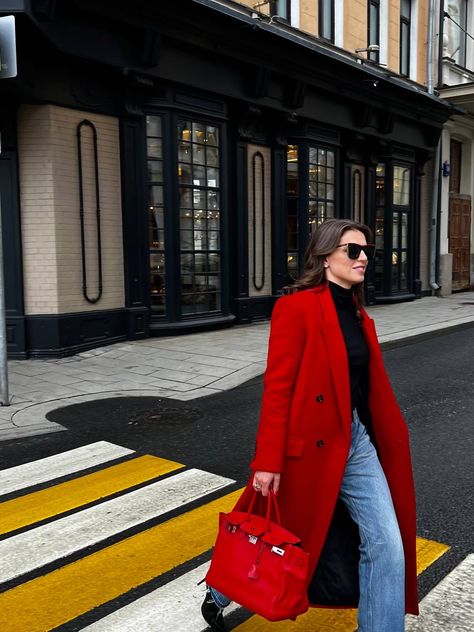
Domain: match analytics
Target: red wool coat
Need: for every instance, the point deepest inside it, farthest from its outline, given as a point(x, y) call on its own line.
point(304, 433)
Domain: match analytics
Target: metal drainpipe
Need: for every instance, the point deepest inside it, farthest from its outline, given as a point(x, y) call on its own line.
point(435, 206)
point(436, 193)
point(429, 53)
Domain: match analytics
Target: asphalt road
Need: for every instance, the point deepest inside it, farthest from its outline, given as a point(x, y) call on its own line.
point(433, 380)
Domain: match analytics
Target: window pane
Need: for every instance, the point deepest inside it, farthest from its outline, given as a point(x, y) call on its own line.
point(199, 155)
point(184, 152)
point(404, 218)
point(321, 186)
point(199, 133)
point(157, 283)
point(404, 270)
point(212, 177)
point(153, 126)
point(395, 231)
point(212, 136)
point(154, 147)
point(155, 170)
point(156, 214)
point(213, 200)
point(401, 185)
point(405, 8)
point(212, 157)
point(326, 8)
point(395, 270)
point(405, 49)
point(199, 184)
point(293, 264)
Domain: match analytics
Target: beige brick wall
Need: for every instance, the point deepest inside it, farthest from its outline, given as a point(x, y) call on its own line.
point(49, 196)
point(309, 16)
point(423, 23)
point(263, 265)
point(355, 24)
point(393, 58)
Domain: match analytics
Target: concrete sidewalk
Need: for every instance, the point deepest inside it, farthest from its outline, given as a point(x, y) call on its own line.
point(189, 366)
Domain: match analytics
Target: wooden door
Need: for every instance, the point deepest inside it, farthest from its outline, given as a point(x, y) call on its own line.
point(459, 239)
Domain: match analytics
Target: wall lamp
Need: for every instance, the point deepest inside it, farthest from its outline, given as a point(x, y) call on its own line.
point(373, 48)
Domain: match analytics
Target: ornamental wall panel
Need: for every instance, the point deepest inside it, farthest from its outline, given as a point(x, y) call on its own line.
point(49, 195)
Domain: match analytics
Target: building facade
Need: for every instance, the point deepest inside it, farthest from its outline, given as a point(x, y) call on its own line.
point(454, 72)
point(163, 166)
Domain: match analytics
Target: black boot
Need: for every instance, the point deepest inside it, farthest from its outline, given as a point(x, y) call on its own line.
point(212, 613)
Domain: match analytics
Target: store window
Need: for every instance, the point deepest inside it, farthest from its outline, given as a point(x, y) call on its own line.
point(292, 218)
point(405, 27)
point(321, 191)
point(156, 214)
point(373, 28)
point(400, 227)
point(311, 197)
point(379, 227)
point(326, 19)
point(199, 191)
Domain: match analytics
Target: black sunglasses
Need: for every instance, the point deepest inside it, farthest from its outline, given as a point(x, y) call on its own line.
point(354, 250)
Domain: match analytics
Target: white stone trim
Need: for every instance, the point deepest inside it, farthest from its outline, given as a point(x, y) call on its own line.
point(339, 23)
point(295, 13)
point(414, 41)
point(383, 29)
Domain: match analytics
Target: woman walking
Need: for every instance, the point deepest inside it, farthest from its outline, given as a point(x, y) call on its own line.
point(332, 441)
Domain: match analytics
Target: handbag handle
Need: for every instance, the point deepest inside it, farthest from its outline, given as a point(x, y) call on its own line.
point(271, 502)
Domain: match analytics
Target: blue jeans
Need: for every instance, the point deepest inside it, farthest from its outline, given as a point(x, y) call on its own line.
point(365, 492)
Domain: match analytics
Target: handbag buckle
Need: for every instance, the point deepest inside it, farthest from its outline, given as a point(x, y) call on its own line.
point(277, 550)
point(253, 539)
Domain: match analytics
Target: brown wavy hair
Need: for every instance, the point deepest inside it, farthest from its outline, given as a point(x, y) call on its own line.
point(323, 242)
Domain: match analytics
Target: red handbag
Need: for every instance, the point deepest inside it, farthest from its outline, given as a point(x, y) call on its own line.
point(259, 564)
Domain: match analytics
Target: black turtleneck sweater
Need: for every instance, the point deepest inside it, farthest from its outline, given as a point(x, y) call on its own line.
point(357, 349)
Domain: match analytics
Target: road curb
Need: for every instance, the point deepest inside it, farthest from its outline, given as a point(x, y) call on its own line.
point(425, 335)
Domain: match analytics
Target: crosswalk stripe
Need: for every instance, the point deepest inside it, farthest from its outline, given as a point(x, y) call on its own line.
point(176, 605)
point(449, 607)
point(26, 510)
point(58, 465)
point(338, 620)
point(62, 595)
point(33, 549)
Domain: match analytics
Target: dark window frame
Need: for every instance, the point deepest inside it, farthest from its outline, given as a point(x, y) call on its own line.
point(371, 40)
point(324, 7)
point(301, 199)
point(462, 55)
point(172, 226)
point(404, 48)
point(274, 10)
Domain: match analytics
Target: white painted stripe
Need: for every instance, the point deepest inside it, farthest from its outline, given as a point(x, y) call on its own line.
point(24, 552)
point(70, 462)
point(176, 606)
point(449, 607)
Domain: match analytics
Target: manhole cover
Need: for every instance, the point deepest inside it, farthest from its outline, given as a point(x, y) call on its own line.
point(165, 417)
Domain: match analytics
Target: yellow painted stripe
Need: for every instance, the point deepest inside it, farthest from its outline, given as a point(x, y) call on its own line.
point(26, 510)
point(427, 552)
point(44, 603)
point(338, 620)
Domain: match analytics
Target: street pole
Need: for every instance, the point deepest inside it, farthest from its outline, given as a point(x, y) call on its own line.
point(8, 70)
point(4, 398)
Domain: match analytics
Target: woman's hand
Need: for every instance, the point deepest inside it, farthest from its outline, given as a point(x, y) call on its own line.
point(264, 481)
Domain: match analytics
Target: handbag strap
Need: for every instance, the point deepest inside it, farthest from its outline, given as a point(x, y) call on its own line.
point(272, 503)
